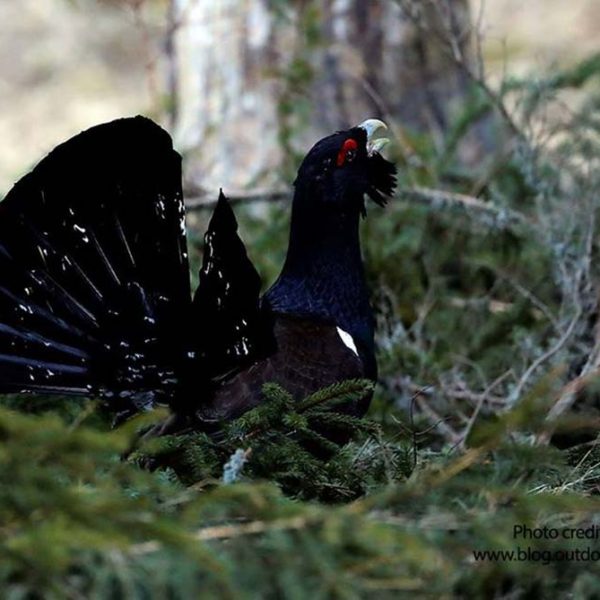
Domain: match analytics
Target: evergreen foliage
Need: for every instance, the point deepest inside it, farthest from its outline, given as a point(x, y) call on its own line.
point(77, 521)
point(279, 441)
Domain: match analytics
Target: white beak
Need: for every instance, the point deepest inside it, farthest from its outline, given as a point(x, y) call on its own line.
point(372, 126)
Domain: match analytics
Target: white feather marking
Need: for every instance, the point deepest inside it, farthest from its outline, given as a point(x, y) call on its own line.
point(347, 339)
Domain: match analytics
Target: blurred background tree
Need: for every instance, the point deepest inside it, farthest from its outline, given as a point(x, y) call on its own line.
point(281, 73)
point(278, 71)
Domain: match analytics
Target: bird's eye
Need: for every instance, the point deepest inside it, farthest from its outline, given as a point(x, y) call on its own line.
point(347, 152)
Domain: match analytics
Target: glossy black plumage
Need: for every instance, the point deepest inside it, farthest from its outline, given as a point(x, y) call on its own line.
point(230, 327)
point(94, 283)
point(94, 276)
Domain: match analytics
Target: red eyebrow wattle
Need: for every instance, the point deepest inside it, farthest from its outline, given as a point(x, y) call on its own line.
point(348, 145)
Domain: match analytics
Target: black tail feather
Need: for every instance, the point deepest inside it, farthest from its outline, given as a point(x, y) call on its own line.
point(94, 281)
point(232, 328)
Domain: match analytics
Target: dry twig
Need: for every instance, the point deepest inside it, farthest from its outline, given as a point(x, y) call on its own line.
point(484, 213)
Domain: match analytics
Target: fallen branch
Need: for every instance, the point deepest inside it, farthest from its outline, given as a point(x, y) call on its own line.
point(220, 532)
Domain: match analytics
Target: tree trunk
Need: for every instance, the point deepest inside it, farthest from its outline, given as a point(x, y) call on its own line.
point(262, 79)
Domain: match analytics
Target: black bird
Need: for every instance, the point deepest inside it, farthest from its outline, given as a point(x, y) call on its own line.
point(95, 295)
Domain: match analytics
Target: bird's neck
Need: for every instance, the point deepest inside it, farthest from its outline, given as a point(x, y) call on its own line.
point(323, 275)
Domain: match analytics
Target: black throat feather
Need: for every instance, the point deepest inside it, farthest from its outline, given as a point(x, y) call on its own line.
point(323, 276)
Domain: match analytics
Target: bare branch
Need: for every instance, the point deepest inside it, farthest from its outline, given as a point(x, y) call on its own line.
point(484, 213)
point(452, 436)
point(484, 397)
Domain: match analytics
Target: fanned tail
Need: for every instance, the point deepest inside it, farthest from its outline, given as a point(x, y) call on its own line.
point(94, 281)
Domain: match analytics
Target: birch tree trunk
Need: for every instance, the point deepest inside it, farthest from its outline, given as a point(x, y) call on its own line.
point(260, 78)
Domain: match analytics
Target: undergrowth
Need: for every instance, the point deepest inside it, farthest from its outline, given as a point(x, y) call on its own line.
point(255, 513)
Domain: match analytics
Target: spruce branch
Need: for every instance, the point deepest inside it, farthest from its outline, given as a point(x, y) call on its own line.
point(345, 391)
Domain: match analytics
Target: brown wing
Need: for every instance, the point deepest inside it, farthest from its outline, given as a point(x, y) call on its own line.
point(309, 357)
